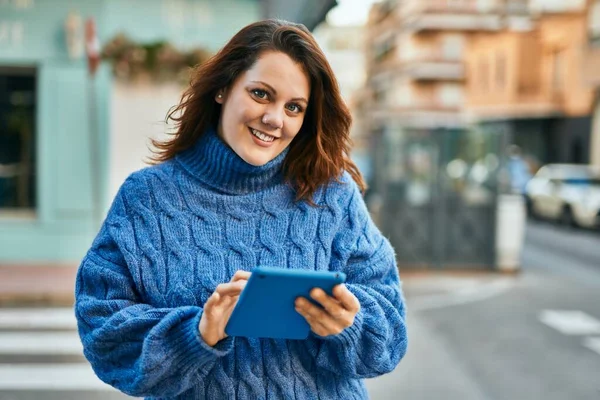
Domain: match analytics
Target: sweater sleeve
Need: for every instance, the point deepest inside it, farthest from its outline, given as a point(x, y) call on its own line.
point(135, 347)
point(377, 341)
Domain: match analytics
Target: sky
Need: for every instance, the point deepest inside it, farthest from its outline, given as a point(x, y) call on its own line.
point(350, 12)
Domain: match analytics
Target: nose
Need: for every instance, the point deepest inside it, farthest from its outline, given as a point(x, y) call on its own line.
point(273, 118)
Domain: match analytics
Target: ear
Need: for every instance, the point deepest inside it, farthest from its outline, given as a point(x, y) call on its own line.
point(220, 96)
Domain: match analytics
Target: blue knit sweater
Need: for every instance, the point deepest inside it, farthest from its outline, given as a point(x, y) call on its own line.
point(178, 229)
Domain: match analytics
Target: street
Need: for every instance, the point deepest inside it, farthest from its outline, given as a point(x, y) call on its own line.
point(532, 336)
point(480, 336)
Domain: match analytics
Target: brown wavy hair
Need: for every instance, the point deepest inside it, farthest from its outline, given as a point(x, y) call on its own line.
point(320, 152)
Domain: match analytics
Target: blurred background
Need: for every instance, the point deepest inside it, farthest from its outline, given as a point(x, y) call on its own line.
point(476, 124)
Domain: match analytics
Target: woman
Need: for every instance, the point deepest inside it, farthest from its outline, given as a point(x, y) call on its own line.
point(257, 173)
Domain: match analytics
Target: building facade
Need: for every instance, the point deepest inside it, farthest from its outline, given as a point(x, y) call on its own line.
point(592, 75)
point(416, 56)
point(529, 82)
point(344, 47)
point(68, 140)
point(436, 178)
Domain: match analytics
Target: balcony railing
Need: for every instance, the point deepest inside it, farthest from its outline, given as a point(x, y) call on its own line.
point(435, 69)
point(435, 54)
point(412, 7)
point(415, 7)
point(517, 7)
point(460, 22)
point(428, 115)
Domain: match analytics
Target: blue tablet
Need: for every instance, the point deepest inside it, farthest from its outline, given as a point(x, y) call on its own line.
point(266, 309)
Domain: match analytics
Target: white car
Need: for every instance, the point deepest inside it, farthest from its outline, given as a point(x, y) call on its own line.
point(567, 193)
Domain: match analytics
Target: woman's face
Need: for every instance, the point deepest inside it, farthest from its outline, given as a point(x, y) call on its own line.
point(264, 108)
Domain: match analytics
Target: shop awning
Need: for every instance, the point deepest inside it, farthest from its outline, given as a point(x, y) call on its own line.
point(307, 12)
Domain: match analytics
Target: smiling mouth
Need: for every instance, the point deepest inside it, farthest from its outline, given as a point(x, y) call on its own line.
point(262, 136)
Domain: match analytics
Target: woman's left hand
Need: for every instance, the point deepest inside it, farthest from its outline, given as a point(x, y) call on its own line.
point(336, 314)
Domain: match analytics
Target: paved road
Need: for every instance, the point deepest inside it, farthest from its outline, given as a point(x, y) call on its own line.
point(533, 336)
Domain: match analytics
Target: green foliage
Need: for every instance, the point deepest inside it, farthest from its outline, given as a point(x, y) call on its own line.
point(159, 61)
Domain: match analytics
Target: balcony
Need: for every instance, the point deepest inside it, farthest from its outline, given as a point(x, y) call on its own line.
point(433, 69)
point(538, 104)
point(465, 15)
point(455, 22)
point(423, 115)
point(412, 7)
point(517, 7)
point(555, 7)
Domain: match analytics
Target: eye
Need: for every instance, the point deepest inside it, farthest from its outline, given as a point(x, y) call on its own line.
point(295, 108)
point(261, 94)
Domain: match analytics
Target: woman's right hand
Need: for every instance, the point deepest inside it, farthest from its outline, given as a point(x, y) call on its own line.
point(219, 306)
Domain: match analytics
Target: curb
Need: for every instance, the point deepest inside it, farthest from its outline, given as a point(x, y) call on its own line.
point(37, 285)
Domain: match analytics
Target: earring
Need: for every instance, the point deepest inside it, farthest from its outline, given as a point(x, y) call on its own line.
point(220, 96)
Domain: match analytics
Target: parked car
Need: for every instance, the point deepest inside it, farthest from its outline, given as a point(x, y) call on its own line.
point(566, 193)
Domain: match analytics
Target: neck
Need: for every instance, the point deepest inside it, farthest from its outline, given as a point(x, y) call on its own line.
point(214, 163)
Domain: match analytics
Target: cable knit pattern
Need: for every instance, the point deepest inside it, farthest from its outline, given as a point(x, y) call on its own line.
point(178, 229)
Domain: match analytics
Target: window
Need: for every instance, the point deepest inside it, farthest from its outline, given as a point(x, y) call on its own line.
point(484, 71)
point(500, 71)
point(453, 47)
point(451, 95)
point(557, 71)
point(403, 93)
point(406, 49)
point(17, 138)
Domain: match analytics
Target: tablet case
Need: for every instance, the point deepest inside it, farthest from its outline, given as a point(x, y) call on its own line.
point(266, 309)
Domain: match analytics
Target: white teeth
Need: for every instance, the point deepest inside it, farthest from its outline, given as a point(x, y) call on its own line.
point(262, 136)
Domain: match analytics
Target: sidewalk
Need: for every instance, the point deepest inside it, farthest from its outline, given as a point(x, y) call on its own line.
point(30, 285)
point(430, 370)
point(53, 285)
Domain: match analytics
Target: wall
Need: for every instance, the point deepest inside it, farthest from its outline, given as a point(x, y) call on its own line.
point(185, 23)
point(568, 35)
point(74, 111)
point(595, 135)
point(138, 114)
point(543, 71)
point(61, 224)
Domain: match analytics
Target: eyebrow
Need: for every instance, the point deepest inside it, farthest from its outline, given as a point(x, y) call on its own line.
point(272, 89)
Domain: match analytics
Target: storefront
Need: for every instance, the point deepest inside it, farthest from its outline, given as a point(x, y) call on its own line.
point(65, 136)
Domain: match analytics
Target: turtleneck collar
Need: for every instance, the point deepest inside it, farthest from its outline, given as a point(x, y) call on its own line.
point(214, 163)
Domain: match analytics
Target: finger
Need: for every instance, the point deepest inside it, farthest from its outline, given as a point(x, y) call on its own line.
point(312, 310)
point(330, 304)
point(212, 303)
point(346, 298)
point(231, 288)
point(317, 327)
point(241, 275)
point(320, 323)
